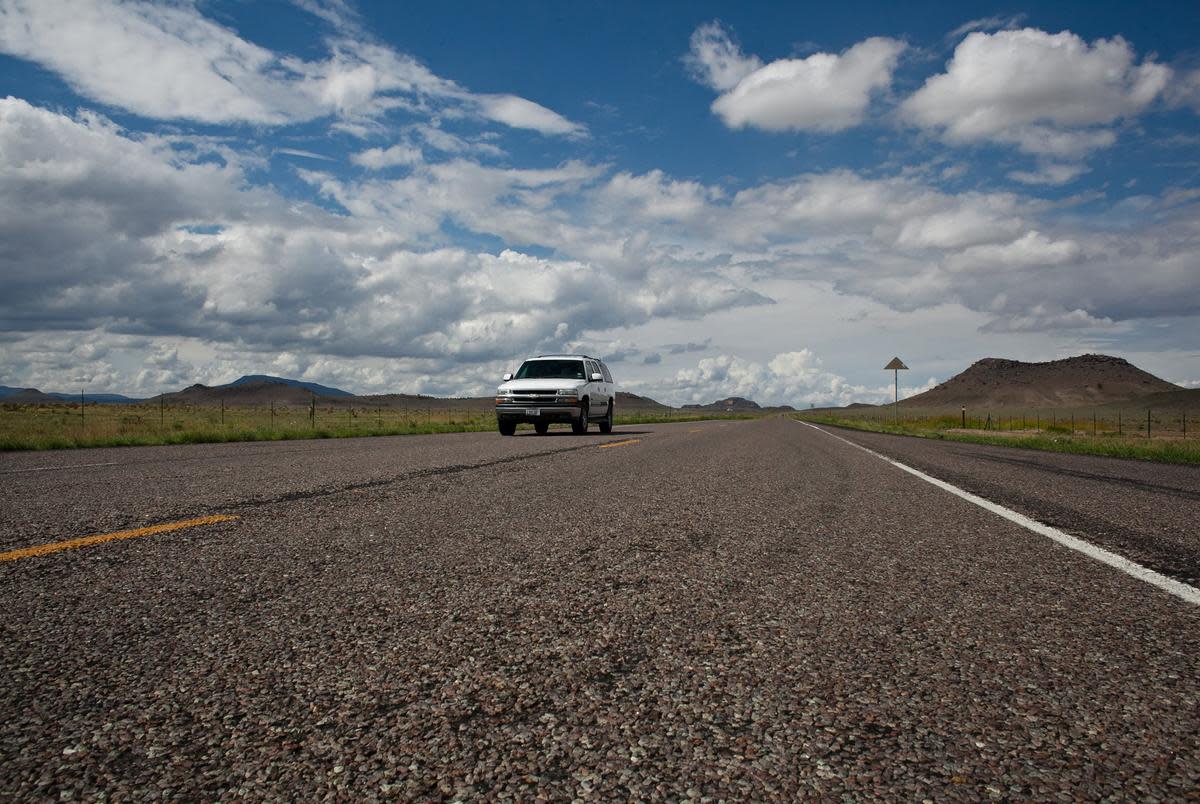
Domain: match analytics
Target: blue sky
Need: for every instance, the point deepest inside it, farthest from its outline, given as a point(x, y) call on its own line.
point(761, 199)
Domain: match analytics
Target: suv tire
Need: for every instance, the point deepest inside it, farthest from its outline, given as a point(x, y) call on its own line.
point(508, 428)
point(606, 423)
point(541, 427)
point(580, 426)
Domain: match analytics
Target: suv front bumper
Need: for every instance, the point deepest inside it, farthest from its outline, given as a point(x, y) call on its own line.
point(540, 412)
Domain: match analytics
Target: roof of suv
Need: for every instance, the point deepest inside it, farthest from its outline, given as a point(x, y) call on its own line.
point(577, 357)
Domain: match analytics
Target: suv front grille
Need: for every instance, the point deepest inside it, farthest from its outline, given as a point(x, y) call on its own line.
point(534, 397)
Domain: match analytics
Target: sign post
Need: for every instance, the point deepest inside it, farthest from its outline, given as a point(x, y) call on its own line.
point(895, 366)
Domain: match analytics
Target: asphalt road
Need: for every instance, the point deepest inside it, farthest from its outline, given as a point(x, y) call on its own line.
point(721, 610)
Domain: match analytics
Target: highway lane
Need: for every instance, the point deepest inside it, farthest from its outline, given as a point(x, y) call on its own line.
point(1147, 512)
point(47, 496)
point(749, 609)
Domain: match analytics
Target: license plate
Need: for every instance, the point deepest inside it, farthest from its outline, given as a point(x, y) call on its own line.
point(533, 411)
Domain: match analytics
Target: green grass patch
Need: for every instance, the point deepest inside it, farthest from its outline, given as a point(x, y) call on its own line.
point(1053, 438)
point(42, 427)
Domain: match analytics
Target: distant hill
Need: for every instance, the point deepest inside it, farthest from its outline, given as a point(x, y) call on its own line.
point(251, 393)
point(256, 379)
point(1183, 399)
point(32, 396)
point(737, 404)
point(632, 403)
point(733, 404)
point(104, 399)
point(28, 396)
point(1075, 381)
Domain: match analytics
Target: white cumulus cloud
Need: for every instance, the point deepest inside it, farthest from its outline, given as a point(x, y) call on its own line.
point(169, 62)
point(796, 378)
point(823, 92)
point(378, 158)
point(716, 61)
point(1048, 94)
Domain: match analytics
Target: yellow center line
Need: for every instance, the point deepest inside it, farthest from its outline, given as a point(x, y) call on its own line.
point(625, 443)
point(54, 547)
point(696, 430)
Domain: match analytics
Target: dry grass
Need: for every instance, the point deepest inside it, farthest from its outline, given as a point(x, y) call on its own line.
point(33, 427)
point(1116, 432)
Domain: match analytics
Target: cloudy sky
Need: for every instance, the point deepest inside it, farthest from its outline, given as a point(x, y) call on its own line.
point(762, 199)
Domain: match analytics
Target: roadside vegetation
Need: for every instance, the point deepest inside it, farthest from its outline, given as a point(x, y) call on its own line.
point(1163, 436)
point(39, 427)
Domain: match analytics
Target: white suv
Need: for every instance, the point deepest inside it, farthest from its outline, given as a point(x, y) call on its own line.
point(557, 388)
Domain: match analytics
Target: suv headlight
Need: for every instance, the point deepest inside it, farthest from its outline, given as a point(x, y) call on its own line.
point(567, 392)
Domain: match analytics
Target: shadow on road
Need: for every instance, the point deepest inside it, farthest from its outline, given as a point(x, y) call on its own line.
point(590, 434)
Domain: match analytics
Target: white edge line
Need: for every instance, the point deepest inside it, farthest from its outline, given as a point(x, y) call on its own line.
point(55, 468)
point(1181, 590)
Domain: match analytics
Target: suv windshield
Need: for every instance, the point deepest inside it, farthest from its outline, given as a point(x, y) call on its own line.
point(550, 369)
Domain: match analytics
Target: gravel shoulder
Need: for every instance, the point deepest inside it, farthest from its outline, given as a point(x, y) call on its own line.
point(744, 610)
point(1144, 511)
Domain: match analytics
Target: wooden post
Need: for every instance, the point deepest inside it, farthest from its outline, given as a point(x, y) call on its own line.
point(1147, 423)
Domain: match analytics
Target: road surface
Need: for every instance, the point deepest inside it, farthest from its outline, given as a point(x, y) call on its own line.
point(717, 610)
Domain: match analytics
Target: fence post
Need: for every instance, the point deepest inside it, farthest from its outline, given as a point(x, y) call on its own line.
point(162, 412)
point(222, 412)
point(1093, 424)
point(1147, 423)
point(1072, 424)
point(1185, 424)
point(1120, 429)
point(964, 417)
point(312, 413)
point(272, 414)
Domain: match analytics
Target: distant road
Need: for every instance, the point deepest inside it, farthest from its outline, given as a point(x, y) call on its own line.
point(729, 609)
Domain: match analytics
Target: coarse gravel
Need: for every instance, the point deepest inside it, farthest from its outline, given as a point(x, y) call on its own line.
point(746, 610)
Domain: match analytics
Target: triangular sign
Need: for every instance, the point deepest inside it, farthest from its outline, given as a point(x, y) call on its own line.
point(895, 364)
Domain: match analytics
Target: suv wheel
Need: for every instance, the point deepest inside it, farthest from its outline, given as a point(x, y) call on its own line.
point(541, 427)
point(508, 428)
point(606, 424)
point(581, 426)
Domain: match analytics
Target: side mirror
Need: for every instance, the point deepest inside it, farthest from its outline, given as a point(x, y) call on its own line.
point(506, 377)
point(597, 377)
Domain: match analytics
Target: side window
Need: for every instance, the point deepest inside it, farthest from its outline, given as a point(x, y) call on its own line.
point(604, 370)
point(592, 368)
